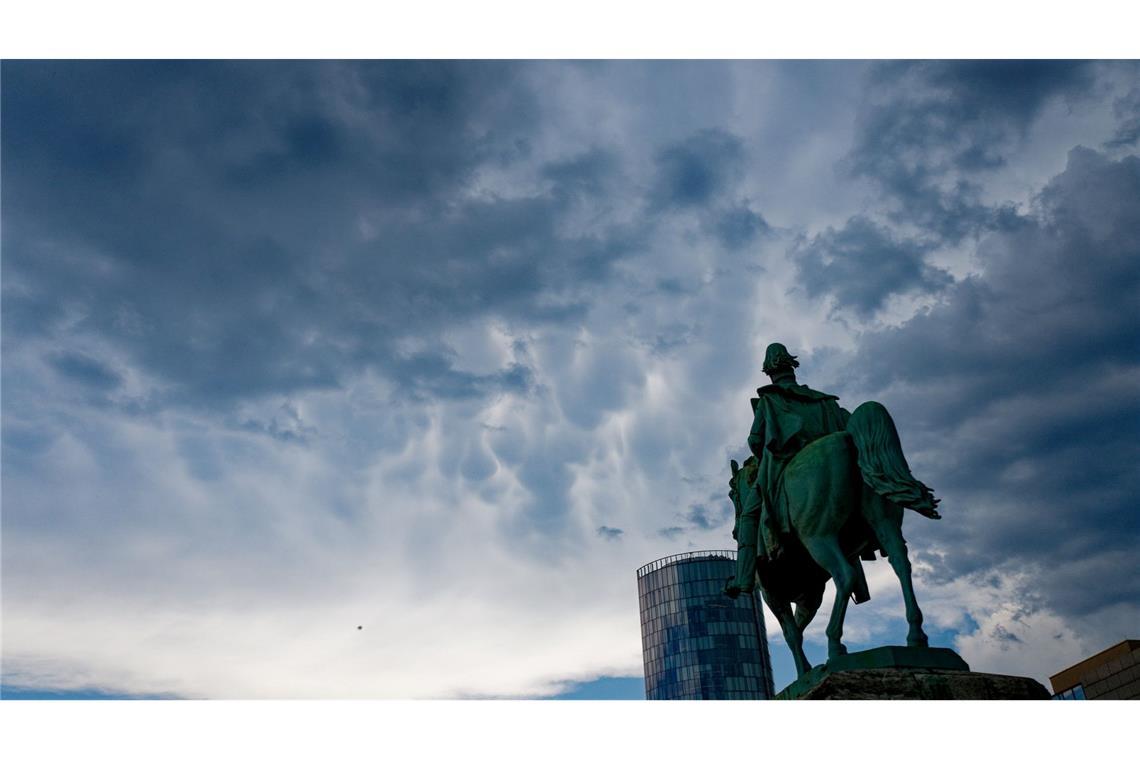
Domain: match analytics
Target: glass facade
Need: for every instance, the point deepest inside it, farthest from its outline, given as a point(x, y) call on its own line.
point(696, 642)
point(1077, 692)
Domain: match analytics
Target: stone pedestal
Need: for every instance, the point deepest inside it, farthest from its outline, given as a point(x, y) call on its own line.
point(907, 673)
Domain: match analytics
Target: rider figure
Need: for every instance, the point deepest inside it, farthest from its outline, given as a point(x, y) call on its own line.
point(786, 417)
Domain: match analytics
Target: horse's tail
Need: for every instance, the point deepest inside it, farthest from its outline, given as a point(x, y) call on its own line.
point(882, 463)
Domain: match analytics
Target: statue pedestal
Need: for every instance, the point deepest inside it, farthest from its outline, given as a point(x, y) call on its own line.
point(907, 673)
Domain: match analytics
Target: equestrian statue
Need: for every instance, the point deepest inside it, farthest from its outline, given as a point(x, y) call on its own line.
point(823, 490)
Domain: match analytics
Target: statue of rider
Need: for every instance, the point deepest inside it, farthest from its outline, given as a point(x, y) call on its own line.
point(786, 417)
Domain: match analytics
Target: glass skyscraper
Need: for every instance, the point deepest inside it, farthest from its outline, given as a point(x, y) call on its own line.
point(696, 642)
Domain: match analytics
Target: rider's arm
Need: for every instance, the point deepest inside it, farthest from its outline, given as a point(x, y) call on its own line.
point(756, 435)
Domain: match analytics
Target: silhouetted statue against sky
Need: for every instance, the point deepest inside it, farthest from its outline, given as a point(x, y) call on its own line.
point(786, 416)
point(823, 489)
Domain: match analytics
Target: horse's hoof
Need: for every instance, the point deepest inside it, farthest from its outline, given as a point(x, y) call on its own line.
point(920, 642)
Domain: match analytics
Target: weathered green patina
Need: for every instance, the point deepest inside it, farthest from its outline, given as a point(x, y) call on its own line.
point(786, 416)
point(823, 489)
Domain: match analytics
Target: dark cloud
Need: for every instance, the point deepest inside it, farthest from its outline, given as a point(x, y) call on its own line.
point(85, 370)
point(1017, 396)
point(606, 376)
point(698, 170)
point(671, 338)
point(1008, 91)
point(862, 264)
point(546, 471)
point(610, 534)
point(674, 286)
point(240, 229)
point(586, 174)
point(928, 128)
point(1127, 111)
point(476, 464)
point(432, 375)
point(285, 425)
point(706, 517)
point(738, 226)
point(1002, 634)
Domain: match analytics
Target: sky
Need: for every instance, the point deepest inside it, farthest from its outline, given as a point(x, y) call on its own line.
point(380, 379)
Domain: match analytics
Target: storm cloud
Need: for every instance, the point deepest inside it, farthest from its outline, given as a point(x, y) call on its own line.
point(290, 224)
point(930, 130)
point(382, 378)
point(1020, 391)
point(862, 264)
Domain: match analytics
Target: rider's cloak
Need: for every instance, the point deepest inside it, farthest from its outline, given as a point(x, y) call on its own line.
point(786, 417)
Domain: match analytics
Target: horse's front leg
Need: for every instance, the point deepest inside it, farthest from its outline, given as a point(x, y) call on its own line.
point(793, 633)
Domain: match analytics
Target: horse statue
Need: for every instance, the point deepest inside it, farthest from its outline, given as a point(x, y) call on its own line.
point(835, 501)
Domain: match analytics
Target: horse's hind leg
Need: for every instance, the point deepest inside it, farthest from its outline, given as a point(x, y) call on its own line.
point(827, 554)
point(793, 634)
point(886, 521)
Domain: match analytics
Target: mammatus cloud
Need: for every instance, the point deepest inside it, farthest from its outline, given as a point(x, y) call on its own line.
point(862, 264)
point(1127, 110)
point(699, 169)
point(345, 379)
point(931, 130)
point(1020, 391)
point(287, 234)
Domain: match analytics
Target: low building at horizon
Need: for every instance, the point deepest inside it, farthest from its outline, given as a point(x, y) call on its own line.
point(1111, 674)
point(696, 642)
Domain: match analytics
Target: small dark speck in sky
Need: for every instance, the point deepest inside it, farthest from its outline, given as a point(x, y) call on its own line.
point(360, 628)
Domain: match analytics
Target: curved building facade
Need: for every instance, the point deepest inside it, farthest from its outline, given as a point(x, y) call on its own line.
point(696, 642)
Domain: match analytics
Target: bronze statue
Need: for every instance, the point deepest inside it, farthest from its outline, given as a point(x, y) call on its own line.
point(824, 489)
